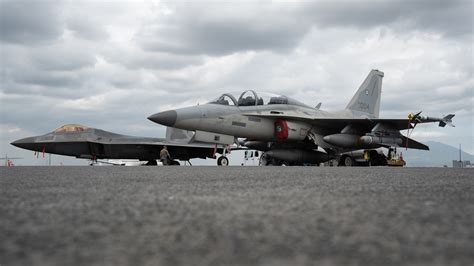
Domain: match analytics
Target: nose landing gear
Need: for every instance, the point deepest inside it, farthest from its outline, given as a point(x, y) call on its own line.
point(223, 161)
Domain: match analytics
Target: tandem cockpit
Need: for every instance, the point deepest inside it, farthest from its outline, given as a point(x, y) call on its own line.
point(251, 98)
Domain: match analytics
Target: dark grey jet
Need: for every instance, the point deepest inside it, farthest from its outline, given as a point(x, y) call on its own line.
point(93, 144)
point(290, 132)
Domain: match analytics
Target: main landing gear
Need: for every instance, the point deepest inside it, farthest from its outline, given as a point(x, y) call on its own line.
point(348, 161)
point(367, 158)
point(168, 162)
point(266, 160)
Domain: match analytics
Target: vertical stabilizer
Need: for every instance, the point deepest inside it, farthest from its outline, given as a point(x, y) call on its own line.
point(367, 98)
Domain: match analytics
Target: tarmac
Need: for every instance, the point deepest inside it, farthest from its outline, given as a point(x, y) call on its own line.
point(236, 216)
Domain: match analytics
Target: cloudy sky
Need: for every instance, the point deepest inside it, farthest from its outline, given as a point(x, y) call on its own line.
point(110, 64)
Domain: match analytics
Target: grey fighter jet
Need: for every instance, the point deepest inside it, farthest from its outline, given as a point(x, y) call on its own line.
point(290, 132)
point(93, 144)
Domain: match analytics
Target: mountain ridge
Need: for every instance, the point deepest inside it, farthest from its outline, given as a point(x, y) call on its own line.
point(439, 155)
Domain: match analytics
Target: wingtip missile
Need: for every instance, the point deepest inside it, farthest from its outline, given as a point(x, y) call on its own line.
point(418, 118)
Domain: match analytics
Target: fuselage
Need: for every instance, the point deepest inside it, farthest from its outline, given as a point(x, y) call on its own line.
point(231, 120)
point(237, 121)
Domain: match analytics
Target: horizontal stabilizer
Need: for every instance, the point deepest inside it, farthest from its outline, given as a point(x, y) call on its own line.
point(413, 144)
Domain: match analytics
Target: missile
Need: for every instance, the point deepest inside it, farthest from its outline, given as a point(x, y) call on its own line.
point(364, 142)
point(372, 140)
point(418, 118)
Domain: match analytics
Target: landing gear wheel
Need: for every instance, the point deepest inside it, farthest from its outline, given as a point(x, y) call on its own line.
point(223, 161)
point(348, 161)
point(266, 160)
point(151, 163)
point(377, 159)
point(263, 160)
point(275, 162)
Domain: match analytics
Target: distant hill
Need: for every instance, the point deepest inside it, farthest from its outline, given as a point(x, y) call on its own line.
point(439, 154)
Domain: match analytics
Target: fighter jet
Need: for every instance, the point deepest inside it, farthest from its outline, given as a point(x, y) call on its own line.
point(290, 132)
point(93, 144)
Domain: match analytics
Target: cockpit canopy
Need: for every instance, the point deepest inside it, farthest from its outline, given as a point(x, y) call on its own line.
point(251, 98)
point(70, 128)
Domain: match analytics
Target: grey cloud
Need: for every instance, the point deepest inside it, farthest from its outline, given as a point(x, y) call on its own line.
point(164, 61)
point(62, 58)
point(430, 106)
point(223, 38)
point(135, 59)
point(193, 29)
point(29, 22)
point(59, 70)
point(89, 29)
point(46, 79)
point(27, 81)
point(451, 18)
point(52, 84)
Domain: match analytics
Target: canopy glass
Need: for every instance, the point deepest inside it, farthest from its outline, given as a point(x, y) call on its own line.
point(71, 128)
point(251, 98)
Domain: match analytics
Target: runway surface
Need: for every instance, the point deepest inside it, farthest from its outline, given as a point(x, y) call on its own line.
point(236, 216)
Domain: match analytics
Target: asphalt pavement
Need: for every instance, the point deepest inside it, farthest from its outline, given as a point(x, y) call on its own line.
point(236, 216)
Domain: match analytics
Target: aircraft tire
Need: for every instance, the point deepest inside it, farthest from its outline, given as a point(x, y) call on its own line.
point(348, 161)
point(264, 160)
point(377, 159)
point(223, 161)
point(276, 162)
point(151, 163)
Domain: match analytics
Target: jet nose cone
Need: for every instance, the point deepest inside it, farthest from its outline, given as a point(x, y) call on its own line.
point(26, 143)
point(167, 118)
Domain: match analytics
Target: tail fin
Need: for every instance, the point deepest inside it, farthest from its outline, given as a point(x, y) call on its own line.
point(178, 134)
point(447, 120)
point(367, 98)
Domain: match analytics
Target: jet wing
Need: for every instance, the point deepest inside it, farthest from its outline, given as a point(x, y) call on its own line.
point(340, 123)
point(152, 142)
point(147, 149)
point(335, 123)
